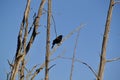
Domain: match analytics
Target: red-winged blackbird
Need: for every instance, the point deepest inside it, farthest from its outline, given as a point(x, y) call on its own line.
point(57, 40)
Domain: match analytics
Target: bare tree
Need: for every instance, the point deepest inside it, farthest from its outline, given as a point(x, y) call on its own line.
point(22, 46)
point(18, 66)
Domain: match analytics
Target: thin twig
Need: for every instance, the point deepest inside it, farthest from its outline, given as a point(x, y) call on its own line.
point(114, 59)
point(43, 65)
point(59, 56)
point(93, 71)
point(77, 60)
point(65, 38)
point(51, 66)
point(54, 25)
point(34, 17)
point(116, 2)
point(29, 73)
point(8, 75)
point(11, 65)
point(74, 54)
point(37, 71)
point(53, 22)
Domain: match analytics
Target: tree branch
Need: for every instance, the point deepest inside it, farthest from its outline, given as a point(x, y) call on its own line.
point(47, 56)
point(114, 59)
point(36, 24)
point(29, 72)
point(73, 58)
point(104, 43)
point(19, 54)
point(54, 49)
point(116, 2)
point(77, 60)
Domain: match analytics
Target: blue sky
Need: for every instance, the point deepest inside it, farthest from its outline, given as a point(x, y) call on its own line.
point(68, 14)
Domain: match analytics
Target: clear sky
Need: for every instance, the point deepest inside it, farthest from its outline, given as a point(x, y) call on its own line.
point(68, 14)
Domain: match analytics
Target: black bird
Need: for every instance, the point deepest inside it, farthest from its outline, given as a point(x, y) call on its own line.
point(57, 40)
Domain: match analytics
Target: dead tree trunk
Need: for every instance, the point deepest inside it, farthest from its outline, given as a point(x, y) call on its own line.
point(104, 43)
point(22, 46)
point(20, 52)
point(47, 58)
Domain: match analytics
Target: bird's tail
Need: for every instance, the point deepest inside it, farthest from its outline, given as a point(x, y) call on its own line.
point(52, 46)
